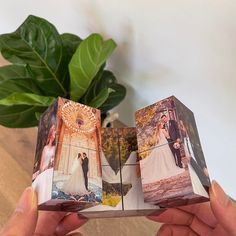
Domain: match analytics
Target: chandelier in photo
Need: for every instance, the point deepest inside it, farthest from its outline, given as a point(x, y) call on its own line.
point(79, 118)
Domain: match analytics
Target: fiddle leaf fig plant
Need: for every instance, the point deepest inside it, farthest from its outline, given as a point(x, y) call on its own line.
point(46, 64)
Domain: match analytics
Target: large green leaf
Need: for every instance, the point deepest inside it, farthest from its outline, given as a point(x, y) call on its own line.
point(86, 62)
point(91, 91)
point(37, 43)
point(70, 42)
point(114, 98)
point(102, 96)
point(40, 72)
point(17, 79)
point(19, 116)
point(104, 80)
point(27, 99)
point(14, 78)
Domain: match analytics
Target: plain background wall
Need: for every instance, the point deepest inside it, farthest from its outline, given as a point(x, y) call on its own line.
point(165, 47)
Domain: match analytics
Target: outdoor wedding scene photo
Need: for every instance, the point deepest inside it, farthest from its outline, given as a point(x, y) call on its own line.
point(71, 176)
point(173, 168)
point(122, 188)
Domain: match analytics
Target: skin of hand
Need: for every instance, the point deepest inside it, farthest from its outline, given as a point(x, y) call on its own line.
point(217, 217)
point(26, 221)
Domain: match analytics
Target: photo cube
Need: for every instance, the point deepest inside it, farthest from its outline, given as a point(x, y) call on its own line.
point(67, 169)
point(122, 189)
point(173, 168)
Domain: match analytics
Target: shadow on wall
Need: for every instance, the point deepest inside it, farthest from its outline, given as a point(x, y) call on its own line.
point(139, 73)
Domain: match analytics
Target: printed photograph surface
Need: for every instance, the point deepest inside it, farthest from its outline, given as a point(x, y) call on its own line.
point(166, 171)
point(45, 154)
point(77, 169)
point(122, 189)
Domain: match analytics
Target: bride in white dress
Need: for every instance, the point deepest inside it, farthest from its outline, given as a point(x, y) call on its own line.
point(41, 182)
point(160, 163)
point(75, 185)
point(134, 198)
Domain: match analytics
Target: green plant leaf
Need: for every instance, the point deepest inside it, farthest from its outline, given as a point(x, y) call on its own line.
point(14, 78)
point(70, 42)
point(100, 98)
point(91, 91)
point(118, 91)
point(105, 79)
point(46, 65)
point(27, 99)
point(86, 62)
point(37, 43)
point(37, 115)
point(19, 116)
point(114, 98)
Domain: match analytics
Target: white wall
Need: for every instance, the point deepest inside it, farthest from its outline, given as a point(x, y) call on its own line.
point(185, 48)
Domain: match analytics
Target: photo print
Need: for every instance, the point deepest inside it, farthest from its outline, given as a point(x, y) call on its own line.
point(77, 170)
point(122, 188)
point(45, 154)
point(168, 174)
point(67, 170)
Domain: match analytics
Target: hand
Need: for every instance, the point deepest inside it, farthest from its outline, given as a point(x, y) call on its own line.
point(216, 217)
point(26, 221)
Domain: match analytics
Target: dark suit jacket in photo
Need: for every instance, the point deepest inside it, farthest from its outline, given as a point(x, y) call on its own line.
point(85, 165)
point(173, 130)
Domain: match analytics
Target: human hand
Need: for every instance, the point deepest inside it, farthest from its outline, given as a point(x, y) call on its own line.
point(26, 221)
point(216, 217)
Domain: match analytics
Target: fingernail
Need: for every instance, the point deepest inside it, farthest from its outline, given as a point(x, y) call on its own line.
point(28, 201)
point(219, 194)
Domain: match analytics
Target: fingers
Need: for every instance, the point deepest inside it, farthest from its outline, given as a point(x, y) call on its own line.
point(173, 216)
point(179, 217)
point(223, 208)
point(69, 223)
point(176, 230)
point(24, 219)
point(202, 211)
point(48, 221)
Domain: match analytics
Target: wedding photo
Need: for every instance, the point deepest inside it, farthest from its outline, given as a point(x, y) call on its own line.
point(118, 147)
point(192, 144)
point(77, 168)
point(122, 188)
point(45, 154)
point(166, 157)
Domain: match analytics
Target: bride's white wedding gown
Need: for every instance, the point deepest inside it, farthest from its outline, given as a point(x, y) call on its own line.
point(75, 185)
point(134, 198)
point(160, 163)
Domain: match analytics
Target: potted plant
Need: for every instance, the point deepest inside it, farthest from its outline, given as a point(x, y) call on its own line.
point(46, 64)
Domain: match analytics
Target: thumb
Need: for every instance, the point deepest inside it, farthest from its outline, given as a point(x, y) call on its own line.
point(223, 208)
point(24, 219)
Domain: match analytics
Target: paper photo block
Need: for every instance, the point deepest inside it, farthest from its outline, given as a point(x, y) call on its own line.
point(173, 168)
point(67, 170)
point(122, 189)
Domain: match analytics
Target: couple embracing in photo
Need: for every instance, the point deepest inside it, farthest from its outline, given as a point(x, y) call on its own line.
point(77, 184)
point(164, 161)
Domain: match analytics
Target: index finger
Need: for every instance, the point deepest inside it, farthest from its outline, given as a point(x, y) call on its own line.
point(51, 219)
point(202, 211)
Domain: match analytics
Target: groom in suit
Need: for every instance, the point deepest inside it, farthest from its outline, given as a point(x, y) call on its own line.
point(172, 127)
point(85, 167)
